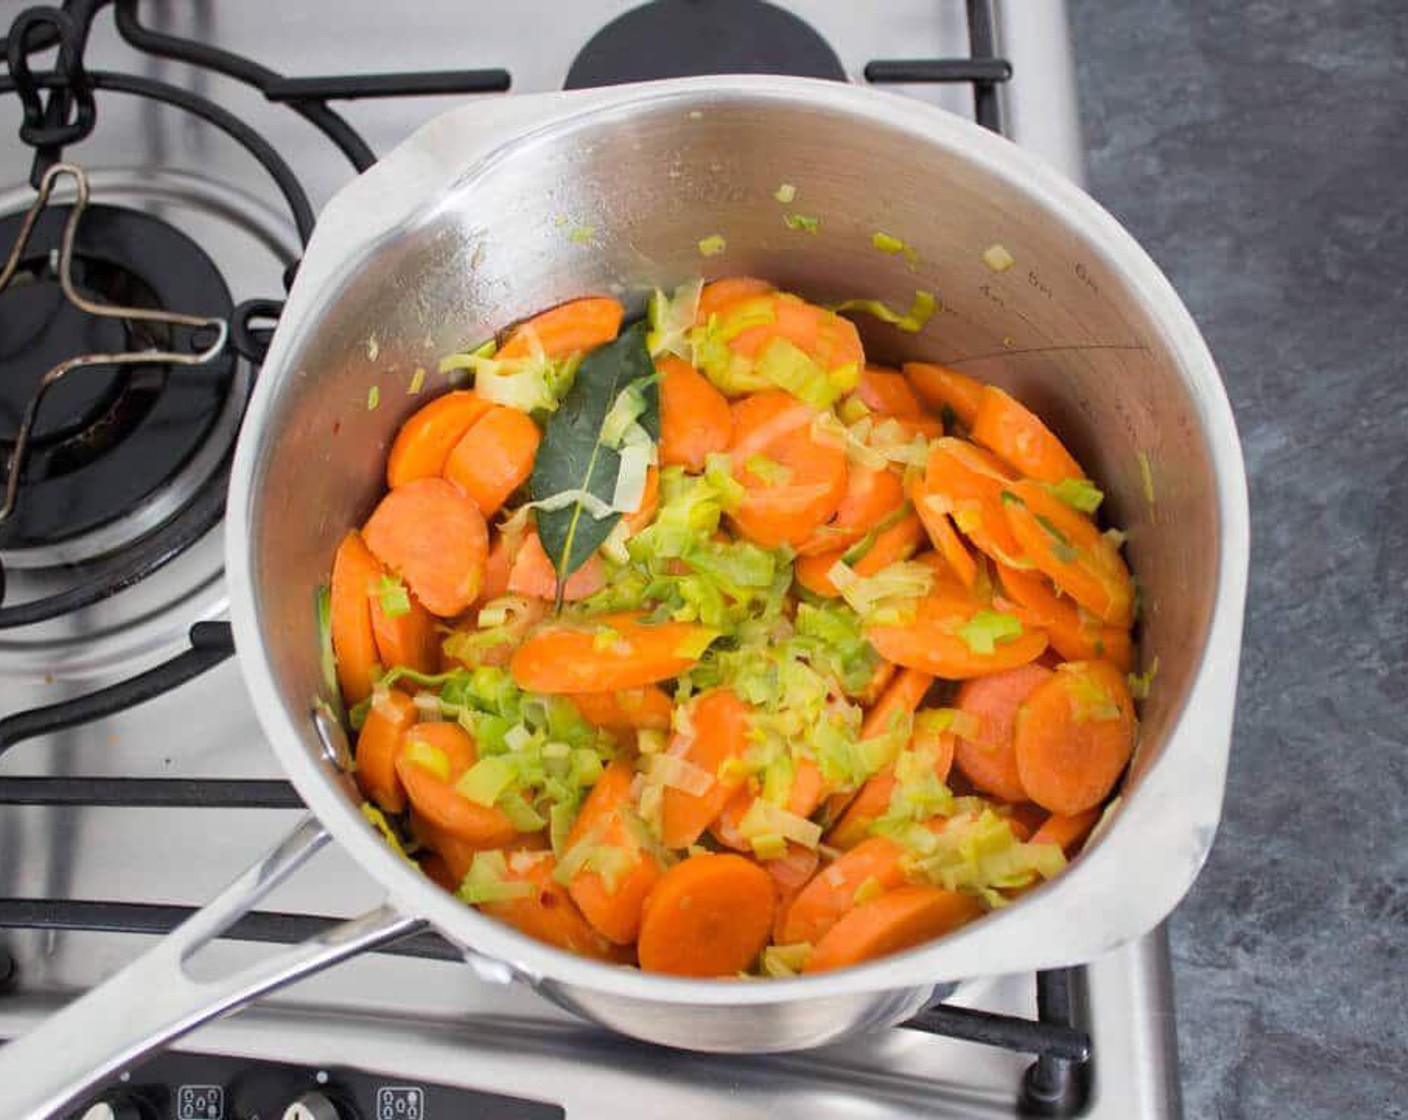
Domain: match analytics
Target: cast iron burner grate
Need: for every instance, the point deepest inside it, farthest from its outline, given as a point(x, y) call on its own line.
point(686, 38)
point(59, 112)
point(105, 438)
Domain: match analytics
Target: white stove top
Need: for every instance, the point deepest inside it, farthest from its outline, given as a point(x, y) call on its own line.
point(418, 1020)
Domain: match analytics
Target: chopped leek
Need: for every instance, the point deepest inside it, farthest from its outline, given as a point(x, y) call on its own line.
point(781, 961)
point(768, 471)
point(803, 222)
point(485, 782)
point(680, 774)
point(913, 320)
point(763, 818)
point(1078, 493)
point(1141, 683)
point(373, 398)
point(769, 845)
point(377, 819)
point(997, 258)
point(393, 597)
point(894, 587)
point(785, 193)
point(417, 381)
point(712, 245)
point(985, 629)
point(430, 758)
point(1146, 477)
point(672, 318)
point(488, 881)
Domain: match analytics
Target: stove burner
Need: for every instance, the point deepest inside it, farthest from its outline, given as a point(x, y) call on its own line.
point(105, 438)
point(684, 38)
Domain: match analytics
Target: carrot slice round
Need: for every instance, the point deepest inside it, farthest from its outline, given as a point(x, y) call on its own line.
point(695, 421)
point(885, 391)
point(990, 760)
point(549, 914)
point(898, 542)
point(435, 538)
point(532, 573)
point(1074, 636)
point(1067, 832)
point(775, 425)
point(944, 537)
point(1067, 547)
point(436, 799)
point(1074, 736)
point(933, 641)
point(872, 495)
point(613, 908)
point(1017, 435)
point(718, 731)
point(710, 915)
point(606, 654)
point(897, 920)
point(967, 483)
point(941, 388)
point(378, 744)
point(409, 640)
point(425, 440)
point(717, 295)
point(494, 457)
point(832, 892)
point(355, 573)
point(628, 710)
point(578, 325)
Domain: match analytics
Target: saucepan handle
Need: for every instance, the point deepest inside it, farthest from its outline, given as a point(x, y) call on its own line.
point(154, 999)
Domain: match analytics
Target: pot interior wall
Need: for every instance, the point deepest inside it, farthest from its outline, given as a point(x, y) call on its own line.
point(618, 202)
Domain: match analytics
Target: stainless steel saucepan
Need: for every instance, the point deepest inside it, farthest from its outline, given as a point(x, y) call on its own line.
point(502, 208)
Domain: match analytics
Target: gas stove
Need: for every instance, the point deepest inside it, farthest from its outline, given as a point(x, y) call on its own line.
point(133, 777)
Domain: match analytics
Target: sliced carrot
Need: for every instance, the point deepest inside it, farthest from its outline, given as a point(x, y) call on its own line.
point(494, 458)
point(1075, 636)
point(966, 482)
point(941, 388)
point(1067, 832)
point(613, 908)
point(990, 760)
point(1018, 436)
point(718, 295)
point(644, 513)
point(355, 573)
point(549, 914)
point(497, 567)
point(426, 439)
point(1022, 818)
point(436, 798)
point(1066, 546)
point(832, 892)
point(873, 800)
point(830, 340)
point(933, 642)
point(457, 855)
point(605, 654)
point(628, 710)
point(578, 325)
point(378, 744)
point(886, 392)
point(1075, 734)
point(872, 495)
point(437, 870)
point(710, 915)
point(898, 542)
point(695, 420)
point(409, 640)
point(435, 539)
point(717, 731)
point(895, 921)
point(777, 426)
point(944, 537)
point(532, 573)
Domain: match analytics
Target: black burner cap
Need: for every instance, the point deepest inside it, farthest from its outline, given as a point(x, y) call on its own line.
point(684, 38)
point(106, 437)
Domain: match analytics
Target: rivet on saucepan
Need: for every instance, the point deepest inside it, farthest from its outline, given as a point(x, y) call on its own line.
point(333, 738)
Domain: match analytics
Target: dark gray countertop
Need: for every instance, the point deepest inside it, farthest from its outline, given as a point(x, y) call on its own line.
point(1259, 150)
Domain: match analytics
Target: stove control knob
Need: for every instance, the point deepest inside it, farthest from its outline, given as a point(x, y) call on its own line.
point(313, 1105)
point(118, 1108)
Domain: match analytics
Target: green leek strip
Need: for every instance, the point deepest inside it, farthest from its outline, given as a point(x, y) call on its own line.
point(430, 758)
point(986, 628)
